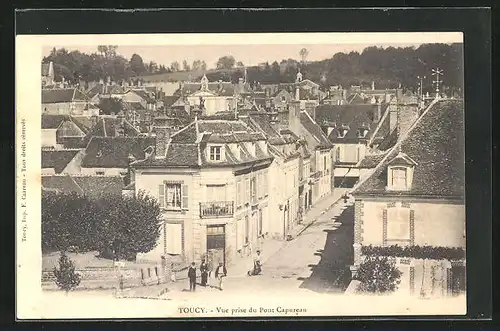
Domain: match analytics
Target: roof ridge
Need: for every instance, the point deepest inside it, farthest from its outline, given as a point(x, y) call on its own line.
point(379, 125)
point(74, 182)
point(397, 144)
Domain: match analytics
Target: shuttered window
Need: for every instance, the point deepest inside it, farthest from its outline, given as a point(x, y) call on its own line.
point(238, 193)
point(173, 196)
point(174, 238)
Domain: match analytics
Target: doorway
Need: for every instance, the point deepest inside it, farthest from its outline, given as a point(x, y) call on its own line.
point(216, 243)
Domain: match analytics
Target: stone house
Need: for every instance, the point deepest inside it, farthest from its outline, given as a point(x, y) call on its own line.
point(415, 197)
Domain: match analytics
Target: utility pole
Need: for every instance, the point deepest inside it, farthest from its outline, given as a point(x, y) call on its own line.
point(421, 86)
point(437, 72)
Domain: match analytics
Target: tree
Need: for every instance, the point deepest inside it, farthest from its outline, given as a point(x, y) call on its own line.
point(196, 65)
point(378, 275)
point(137, 64)
point(174, 66)
point(303, 54)
point(239, 64)
point(66, 277)
point(185, 66)
point(226, 62)
point(128, 225)
point(153, 67)
point(110, 106)
point(203, 65)
point(108, 51)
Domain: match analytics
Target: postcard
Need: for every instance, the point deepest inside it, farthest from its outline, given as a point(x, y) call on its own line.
point(240, 175)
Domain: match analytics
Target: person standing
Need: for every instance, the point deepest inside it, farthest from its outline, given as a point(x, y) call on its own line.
point(210, 268)
point(220, 273)
point(192, 277)
point(204, 272)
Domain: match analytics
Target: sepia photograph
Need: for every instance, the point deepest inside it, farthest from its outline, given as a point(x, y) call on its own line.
point(226, 175)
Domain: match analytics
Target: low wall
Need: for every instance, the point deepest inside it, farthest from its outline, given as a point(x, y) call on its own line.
point(109, 278)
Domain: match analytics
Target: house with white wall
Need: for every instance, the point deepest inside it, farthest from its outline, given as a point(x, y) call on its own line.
point(415, 197)
point(210, 179)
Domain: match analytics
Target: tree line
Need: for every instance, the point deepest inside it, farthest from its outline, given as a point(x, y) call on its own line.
point(74, 66)
point(386, 67)
point(114, 225)
point(389, 67)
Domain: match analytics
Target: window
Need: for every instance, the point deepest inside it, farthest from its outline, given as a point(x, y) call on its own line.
point(238, 193)
point(247, 191)
point(398, 224)
point(283, 99)
point(398, 178)
point(215, 153)
point(173, 238)
point(216, 192)
point(173, 196)
point(324, 163)
point(247, 229)
point(253, 189)
point(337, 154)
point(99, 172)
point(358, 156)
point(264, 184)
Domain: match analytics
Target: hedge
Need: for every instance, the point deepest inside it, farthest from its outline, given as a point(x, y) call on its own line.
point(416, 252)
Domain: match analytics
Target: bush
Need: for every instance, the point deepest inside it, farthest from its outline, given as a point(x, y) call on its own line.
point(66, 277)
point(378, 275)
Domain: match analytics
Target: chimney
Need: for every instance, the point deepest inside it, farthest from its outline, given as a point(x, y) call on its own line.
point(162, 139)
point(187, 107)
point(379, 113)
point(294, 115)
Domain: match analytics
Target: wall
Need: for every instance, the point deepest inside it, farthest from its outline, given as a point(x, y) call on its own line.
point(350, 152)
point(148, 181)
point(49, 137)
point(436, 223)
point(213, 104)
point(107, 171)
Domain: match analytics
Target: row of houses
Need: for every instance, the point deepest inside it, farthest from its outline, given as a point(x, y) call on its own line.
point(219, 181)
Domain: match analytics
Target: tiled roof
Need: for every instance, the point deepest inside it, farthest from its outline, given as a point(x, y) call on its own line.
point(61, 183)
point(70, 129)
point(187, 146)
point(114, 152)
point(436, 143)
point(371, 161)
point(58, 159)
point(95, 186)
point(169, 100)
point(53, 121)
point(314, 129)
point(62, 95)
point(108, 126)
point(224, 89)
point(355, 99)
point(354, 116)
point(144, 95)
point(92, 186)
point(85, 123)
point(389, 141)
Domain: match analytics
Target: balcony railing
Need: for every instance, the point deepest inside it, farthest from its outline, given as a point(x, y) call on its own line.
point(216, 209)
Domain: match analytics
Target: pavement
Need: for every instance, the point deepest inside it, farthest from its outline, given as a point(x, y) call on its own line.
point(316, 259)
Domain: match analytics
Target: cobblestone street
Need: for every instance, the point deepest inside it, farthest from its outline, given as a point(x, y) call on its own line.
point(315, 261)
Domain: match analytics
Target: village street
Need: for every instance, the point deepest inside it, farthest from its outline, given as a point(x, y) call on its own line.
point(317, 260)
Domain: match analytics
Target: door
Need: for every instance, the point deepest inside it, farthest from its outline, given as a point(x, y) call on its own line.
point(457, 280)
point(216, 243)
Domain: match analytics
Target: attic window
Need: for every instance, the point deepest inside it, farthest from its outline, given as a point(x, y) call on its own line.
point(343, 130)
point(215, 153)
point(400, 173)
point(399, 178)
point(362, 132)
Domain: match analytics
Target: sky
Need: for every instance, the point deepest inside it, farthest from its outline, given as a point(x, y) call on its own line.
point(250, 48)
point(248, 54)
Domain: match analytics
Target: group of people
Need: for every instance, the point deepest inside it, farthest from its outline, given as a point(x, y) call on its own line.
point(206, 274)
point(220, 272)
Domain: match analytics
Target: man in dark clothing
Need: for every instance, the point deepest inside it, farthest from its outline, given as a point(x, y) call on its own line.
point(220, 272)
point(192, 277)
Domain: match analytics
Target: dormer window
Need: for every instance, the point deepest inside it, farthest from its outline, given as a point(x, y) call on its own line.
point(362, 132)
point(343, 130)
point(215, 153)
point(400, 173)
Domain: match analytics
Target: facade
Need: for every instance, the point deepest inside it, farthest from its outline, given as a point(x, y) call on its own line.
point(415, 197)
point(318, 145)
point(66, 101)
point(142, 97)
point(210, 179)
point(284, 174)
point(349, 129)
point(212, 97)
